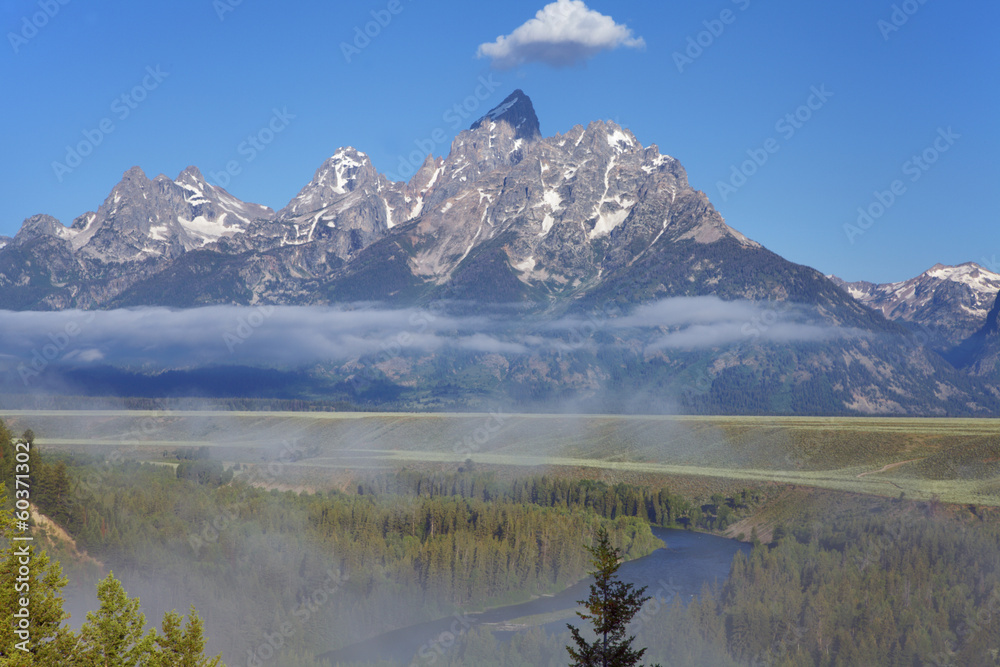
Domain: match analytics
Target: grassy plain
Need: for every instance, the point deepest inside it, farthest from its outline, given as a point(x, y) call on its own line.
point(957, 460)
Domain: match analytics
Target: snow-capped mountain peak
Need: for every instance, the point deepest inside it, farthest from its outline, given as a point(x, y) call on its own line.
point(970, 274)
point(342, 173)
point(952, 300)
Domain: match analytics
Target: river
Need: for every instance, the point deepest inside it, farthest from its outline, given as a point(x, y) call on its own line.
point(688, 562)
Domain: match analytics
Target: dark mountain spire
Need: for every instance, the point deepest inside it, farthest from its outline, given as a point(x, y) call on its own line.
point(518, 112)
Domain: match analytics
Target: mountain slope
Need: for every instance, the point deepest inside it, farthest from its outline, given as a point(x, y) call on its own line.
point(949, 303)
point(141, 228)
point(980, 353)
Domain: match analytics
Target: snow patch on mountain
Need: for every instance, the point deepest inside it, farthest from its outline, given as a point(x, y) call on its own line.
point(952, 301)
point(969, 274)
point(498, 111)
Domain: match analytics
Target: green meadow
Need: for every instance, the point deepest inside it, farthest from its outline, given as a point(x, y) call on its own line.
point(956, 460)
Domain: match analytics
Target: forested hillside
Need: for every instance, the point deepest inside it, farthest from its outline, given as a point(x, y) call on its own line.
point(31, 591)
point(880, 583)
point(340, 567)
point(838, 579)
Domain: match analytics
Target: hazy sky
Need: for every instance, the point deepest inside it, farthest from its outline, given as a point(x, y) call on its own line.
point(167, 85)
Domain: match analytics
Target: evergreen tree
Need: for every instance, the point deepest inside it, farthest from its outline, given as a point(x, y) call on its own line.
point(114, 635)
point(182, 646)
point(612, 605)
point(49, 640)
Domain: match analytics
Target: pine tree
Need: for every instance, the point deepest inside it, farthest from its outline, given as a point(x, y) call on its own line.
point(182, 646)
point(612, 605)
point(49, 639)
point(114, 636)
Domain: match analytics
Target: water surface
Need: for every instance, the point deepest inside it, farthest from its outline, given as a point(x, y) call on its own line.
point(689, 561)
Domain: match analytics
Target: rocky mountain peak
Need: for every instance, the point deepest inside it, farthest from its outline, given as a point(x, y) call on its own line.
point(951, 301)
point(606, 137)
point(40, 225)
point(135, 174)
point(968, 273)
point(133, 182)
point(426, 175)
point(191, 175)
point(518, 112)
point(499, 140)
point(347, 170)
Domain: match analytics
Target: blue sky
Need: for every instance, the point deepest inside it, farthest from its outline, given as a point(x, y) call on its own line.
point(201, 76)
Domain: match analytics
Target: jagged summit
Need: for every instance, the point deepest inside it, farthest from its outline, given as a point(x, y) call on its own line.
point(40, 225)
point(573, 221)
point(557, 215)
point(342, 173)
point(518, 112)
point(144, 220)
point(191, 175)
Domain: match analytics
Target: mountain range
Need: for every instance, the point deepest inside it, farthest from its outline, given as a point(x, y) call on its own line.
point(552, 229)
point(948, 303)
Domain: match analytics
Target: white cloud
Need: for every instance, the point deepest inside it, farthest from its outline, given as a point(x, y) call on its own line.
point(163, 338)
point(703, 322)
point(481, 342)
point(563, 33)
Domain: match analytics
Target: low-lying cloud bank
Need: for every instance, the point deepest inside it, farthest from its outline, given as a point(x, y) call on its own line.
point(303, 335)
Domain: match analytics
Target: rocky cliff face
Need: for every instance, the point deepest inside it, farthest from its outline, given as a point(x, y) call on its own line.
point(980, 352)
point(141, 228)
point(543, 216)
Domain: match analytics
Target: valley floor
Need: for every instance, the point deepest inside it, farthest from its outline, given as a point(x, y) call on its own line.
point(952, 460)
